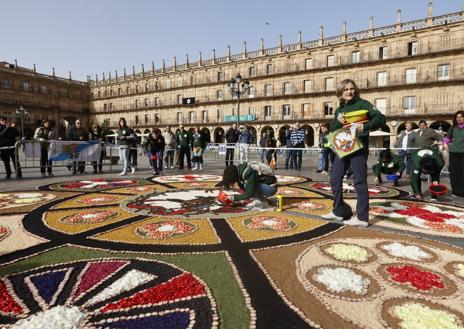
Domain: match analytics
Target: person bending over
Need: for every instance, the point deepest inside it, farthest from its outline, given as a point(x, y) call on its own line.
point(388, 164)
point(428, 161)
point(255, 179)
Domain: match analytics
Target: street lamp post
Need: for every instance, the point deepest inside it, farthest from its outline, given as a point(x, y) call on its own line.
point(238, 87)
point(22, 113)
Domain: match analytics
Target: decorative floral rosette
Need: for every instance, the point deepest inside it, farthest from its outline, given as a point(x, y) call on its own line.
point(290, 191)
point(18, 199)
point(4, 232)
point(93, 185)
point(187, 178)
point(347, 252)
point(285, 180)
point(406, 313)
point(97, 200)
point(417, 279)
point(188, 203)
point(268, 223)
point(165, 229)
point(111, 293)
point(311, 205)
point(438, 218)
point(89, 217)
point(349, 190)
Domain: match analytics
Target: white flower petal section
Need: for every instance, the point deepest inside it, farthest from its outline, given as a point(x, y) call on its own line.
point(342, 280)
point(129, 281)
point(404, 251)
point(348, 252)
point(59, 317)
point(419, 316)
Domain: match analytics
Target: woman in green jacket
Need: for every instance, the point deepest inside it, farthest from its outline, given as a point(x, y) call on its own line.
point(454, 143)
point(125, 136)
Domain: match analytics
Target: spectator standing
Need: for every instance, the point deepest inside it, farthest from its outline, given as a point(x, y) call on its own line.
point(271, 151)
point(350, 100)
point(95, 134)
point(133, 153)
point(125, 136)
point(198, 147)
point(170, 140)
point(184, 142)
point(426, 136)
point(405, 142)
point(8, 137)
point(297, 139)
point(77, 133)
point(327, 152)
point(155, 146)
point(262, 144)
point(454, 143)
point(44, 134)
point(231, 140)
point(289, 164)
point(243, 141)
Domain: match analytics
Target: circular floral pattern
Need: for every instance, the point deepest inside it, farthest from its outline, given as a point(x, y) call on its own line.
point(188, 203)
point(89, 217)
point(267, 223)
point(187, 178)
point(108, 293)
point(350, 191)
point(92, 185)
point(346, 252)
point(97, 200)
point(419, 314)
point(10, 200)
point(4, 232)
point(309, 206)
point(284, 180)
point(165, 229)
point(437, 218)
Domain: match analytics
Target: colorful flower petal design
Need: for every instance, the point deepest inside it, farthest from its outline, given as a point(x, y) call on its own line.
point(268, 223)
point(308, 206)
point(404, 251)
point(339, 280)
point(106, 293)
point(165, 229)
point(378, 191)
point(347, 252)
point(89, 217)
point(97, 200)
point(97, 184)
point(415, 277)
point(187, 178)
point(4, 232)
point(11, 200)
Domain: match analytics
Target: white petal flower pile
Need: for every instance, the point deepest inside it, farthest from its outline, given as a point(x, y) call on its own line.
point(342, 280)
point(59, 317)
point(404, 251)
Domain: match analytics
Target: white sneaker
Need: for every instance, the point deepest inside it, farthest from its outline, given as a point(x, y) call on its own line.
point(354, 221)
point(133, 170)
point(122, 173)
point(331, 216)
point(172, 167)
point(195, 167)
point(201, 166)
point(256, 203)
point(165, 166)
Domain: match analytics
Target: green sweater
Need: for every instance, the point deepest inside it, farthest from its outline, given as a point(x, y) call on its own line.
point(129, 135)
point(183, 138)
point(417, 170)
point(392, 167)
point(248, 182)
point(376, 119)
point(456, 135)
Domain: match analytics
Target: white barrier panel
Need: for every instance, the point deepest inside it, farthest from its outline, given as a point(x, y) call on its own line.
point(77, 151)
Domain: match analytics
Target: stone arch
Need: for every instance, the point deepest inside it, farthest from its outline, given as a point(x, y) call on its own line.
point(309, 135)
point(282, 132)
point(205, 132)
point(441, 126)
point(219, 135)
point(253, 135)
point(402, 127)
point(146, 131)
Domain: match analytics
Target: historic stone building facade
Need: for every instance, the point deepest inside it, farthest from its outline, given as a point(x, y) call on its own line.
point(57, 99)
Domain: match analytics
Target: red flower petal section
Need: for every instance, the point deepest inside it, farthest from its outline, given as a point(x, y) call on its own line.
point(182, 286)
point(421, 280)
point(7, 302)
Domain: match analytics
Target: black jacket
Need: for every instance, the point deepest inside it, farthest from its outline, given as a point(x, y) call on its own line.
point(232, 135)
point(154, 144)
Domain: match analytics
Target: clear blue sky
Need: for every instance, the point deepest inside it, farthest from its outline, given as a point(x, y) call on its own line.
point(95, 36)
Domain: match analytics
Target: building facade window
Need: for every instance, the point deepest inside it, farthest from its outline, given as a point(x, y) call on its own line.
point(252, 92)
point(411, 75)
point(305, 110)
point(287, 87)
point(156, 101)
point(381, 78)
point(267, 112)
point(251, 110)
point(204, 116)
point(25, 86)
point(220, 94)
point(269, 69)
point(308, 86)
point(180, 117)
point(105, 107)
point(137, 120)
point(409, 103)
point(331, 60)
point(192, 117)
point(381, 105)
point(383, 52)
point(413, 48)
point(329, 84)
point(220, 76)
point(127, 91)
point(146, 102)
point(136, 103)
point(286, 111)
point(268, 90)
point(119, 91)
point(443, 72)
point(146, 119)
point(355, 56)
point(308, 63)
point(43, 89)
point(251, 71)
point(179, 99)
point(328, 109)
point(6, 83)
point(136, 88)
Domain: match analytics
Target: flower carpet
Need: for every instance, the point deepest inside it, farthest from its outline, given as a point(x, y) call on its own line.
point(163, 253)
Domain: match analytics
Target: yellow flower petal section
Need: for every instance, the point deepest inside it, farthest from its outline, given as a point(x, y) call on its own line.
point(418, 316)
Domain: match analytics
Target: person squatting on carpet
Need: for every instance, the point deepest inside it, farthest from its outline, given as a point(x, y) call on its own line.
point(388, 164)
point(350, 101)
point(256, 179)
point(428, 161)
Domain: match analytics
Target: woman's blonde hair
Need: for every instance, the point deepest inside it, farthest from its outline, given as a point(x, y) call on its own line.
point(341, 86)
